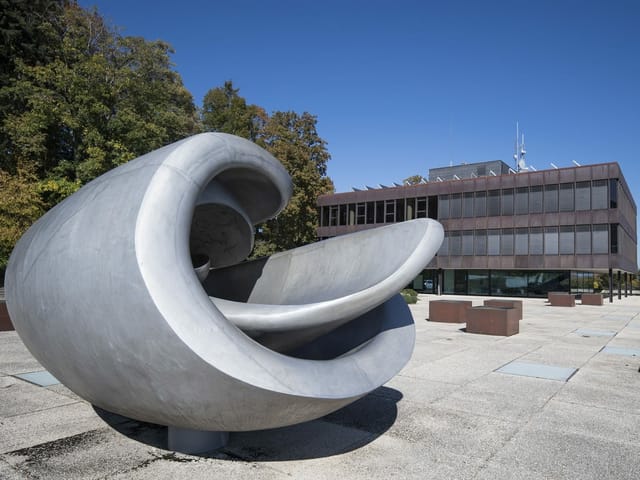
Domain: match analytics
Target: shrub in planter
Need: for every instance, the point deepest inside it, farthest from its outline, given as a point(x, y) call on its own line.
point(409, 295)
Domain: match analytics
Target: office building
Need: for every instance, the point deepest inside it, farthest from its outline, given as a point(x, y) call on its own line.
point(507, 233)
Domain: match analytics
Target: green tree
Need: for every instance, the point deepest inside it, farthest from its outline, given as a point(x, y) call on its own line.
point(31, 33)
point(414, 180)
point(20, 206)
point(291, 138)
point(294, 141)
point(224, 110)
point(104, 100)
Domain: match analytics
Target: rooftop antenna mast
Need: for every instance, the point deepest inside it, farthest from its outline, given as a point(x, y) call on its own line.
point(520, 151)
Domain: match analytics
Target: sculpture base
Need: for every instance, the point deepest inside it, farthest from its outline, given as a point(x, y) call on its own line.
point(185, 440)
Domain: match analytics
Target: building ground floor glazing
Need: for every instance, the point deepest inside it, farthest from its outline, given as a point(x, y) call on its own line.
point(511, 283)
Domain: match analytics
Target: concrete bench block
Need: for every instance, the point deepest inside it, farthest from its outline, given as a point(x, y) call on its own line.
point(517, 304)
point(493, 321)
point(562, 299)
point(592, 299)
point(449, 311)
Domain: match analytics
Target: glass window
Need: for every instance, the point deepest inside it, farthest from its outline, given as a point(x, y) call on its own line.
point(551, 240)
point(509, 283)
point(467, 204)
point(455, 243)
point(599, 194)
point(583, 196)
point(467, 242)
point(535, 241)
point(444, 248)
point(551, 198)
point(410, 208)
point(371, 213)
point(343, 215)
point(613, 193)
point(507, 201)
point(522, 200)
point(493, 203)
point(493, 242)
point(613, 237)
point(443, 206)
point(535, 199)
point(380, 211)
point(583, 239)
point(390, 211)
point(522, 241)
point(421, 207)
point(333, 215)
point(352, 214)
point(449, 282)
point(361, 213)
point(566, 240)
point(600, 239)
point(324, 222)
point(566, 197)
point(455, 205)
point(480, 242)
point(480, 204)
point(506, 241)
point(541, 283)
point(478, 282)
point(400, 210)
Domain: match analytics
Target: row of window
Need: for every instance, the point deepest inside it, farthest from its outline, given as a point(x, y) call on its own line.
point(381, 211)
point(563, 240)
point(521, 283)
point(564, 197)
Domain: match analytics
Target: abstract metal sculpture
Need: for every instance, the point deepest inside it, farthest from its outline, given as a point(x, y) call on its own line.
point(103, 292)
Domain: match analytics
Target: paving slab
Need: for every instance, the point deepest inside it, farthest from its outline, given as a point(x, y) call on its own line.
point(47, 425)
point(597, 422)
point(506, 397)
point(19, 397)
point(565, 455)
point(14, 356)
point(567, 355)
point(88, 455)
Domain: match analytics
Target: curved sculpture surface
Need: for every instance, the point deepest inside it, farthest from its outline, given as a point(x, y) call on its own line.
point(103, 292)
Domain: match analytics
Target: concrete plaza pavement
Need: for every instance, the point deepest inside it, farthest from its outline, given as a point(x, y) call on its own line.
point(559, 400)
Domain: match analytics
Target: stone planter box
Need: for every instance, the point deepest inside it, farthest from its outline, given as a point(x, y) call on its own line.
point(493, 321)
point(592, 299)
point(562, 299)
point(517, 304)
point(449, 311)
point(5, 321)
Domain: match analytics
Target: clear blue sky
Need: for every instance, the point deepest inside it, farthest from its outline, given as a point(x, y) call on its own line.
point(401, 86)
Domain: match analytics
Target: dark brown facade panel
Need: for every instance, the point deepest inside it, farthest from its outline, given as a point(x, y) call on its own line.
point(521, 261)
point(522, 180)
point(536, 220)
point(507, 262)
point(521, 221)
point(583, 217)
point(551, 176)
point(601, 261)
point(536, 261)
point(567, 175)
point(567, 261)
point(536, 178)
point(493, 222)
point(600, 216)
point(583, 174)
point(551, 261)
point(584, 261)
